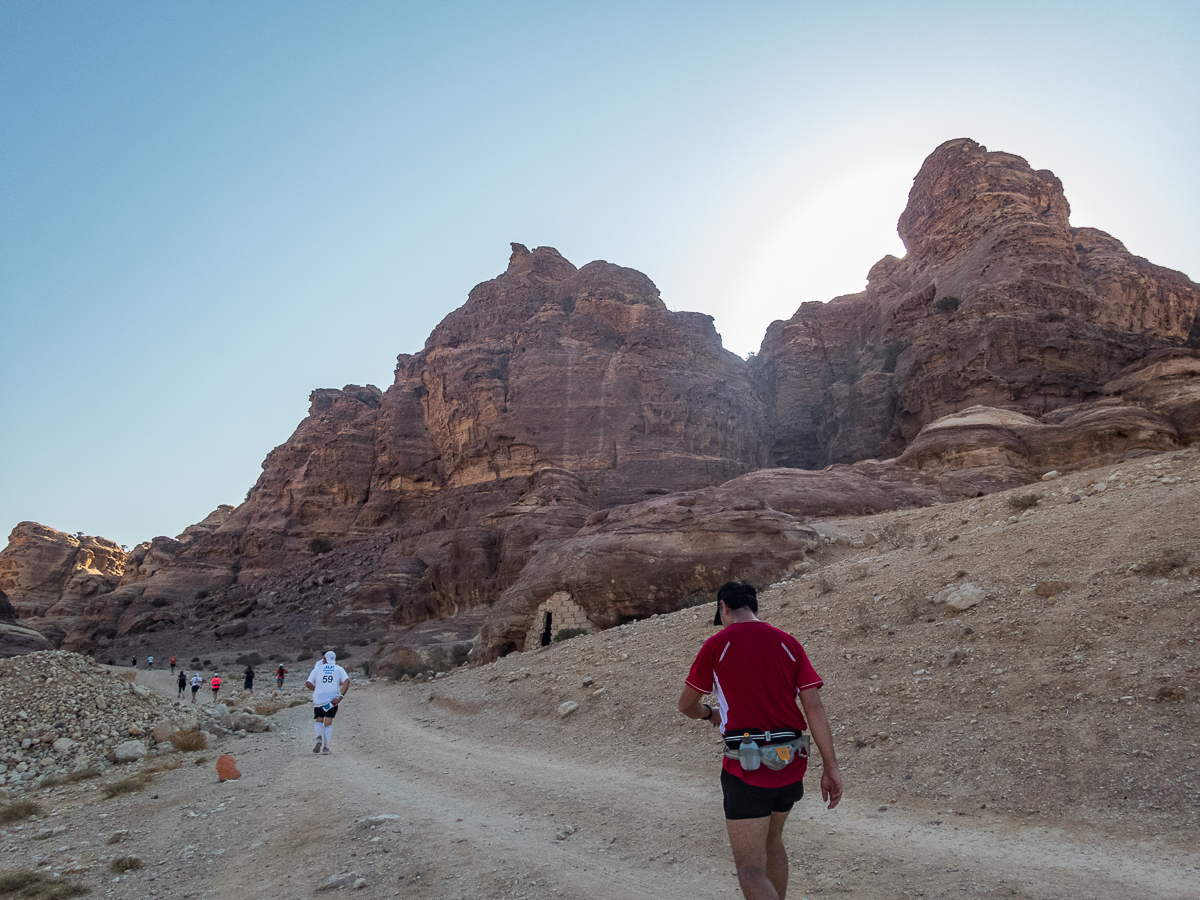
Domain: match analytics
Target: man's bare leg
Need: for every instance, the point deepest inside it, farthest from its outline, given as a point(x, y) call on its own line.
point(749, 839)
point(777, 858)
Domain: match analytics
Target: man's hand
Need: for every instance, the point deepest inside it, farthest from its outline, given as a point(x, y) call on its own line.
point(831, 785)
point(310, 685)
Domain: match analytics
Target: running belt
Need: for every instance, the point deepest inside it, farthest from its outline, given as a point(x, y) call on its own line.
point(734, 736)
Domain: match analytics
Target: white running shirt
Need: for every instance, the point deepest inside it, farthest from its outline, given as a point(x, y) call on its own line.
point(328, 680)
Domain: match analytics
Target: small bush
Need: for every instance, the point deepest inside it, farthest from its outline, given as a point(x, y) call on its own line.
point(319, 545)
point(404, 661)
point(125, 864)
point(1166, 562)
point(160, 602)
point(366, 667)
point(897, 534)
point(307, 654)
point(825, 584)
point(915, 601)
point(565, 634)
point(189, 741)
point(127, 785)
point(195, 659)
point(36, 886)
point(18, 810)
point(200, 595)
point(1025, 501)
point(946, 304)
point(249, 659)
point(70, 778)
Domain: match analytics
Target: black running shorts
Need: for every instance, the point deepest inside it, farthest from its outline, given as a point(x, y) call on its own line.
point(320, 712)
point(744, 801)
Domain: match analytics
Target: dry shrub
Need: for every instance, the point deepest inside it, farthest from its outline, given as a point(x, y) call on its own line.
point(127, 785)
point(35, 886)
point(1166, 562)
point(402, 661)
point(190, 740)
point(825, 584)
point(125, 864)
point(1025, 501)
point(914, 600)
point(897, 535)
point(18, 810)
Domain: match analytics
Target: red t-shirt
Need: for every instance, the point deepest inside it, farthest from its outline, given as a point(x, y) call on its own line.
point(756, 671)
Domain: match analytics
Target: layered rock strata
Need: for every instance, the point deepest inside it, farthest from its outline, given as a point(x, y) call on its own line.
point(999, 302)
point(565, 442)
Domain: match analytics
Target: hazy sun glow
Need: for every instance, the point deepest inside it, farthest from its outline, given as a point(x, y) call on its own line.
point(817, 243)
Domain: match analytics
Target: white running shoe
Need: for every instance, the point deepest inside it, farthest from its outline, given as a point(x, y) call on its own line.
point(320, 744)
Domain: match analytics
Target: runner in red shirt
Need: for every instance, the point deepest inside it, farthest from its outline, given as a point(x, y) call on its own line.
point(757, 671)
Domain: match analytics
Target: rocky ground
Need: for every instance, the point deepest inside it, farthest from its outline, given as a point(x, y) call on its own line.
point(1013, 693)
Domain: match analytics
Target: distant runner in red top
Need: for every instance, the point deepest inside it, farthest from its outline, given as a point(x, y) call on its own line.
point(216, 685)
point(757, 671)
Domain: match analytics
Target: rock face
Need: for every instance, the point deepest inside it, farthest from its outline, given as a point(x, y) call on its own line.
point(999, 302)
point(566, 446)
point(552, 392)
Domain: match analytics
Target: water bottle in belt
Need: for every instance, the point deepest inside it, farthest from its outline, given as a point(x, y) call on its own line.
point(749, 754)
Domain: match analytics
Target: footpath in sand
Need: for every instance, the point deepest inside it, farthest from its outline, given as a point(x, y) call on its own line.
point(1032, 746)
point(484, 812)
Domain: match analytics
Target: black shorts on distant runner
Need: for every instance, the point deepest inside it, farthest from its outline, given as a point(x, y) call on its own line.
point(744, 801)
point(320, 712)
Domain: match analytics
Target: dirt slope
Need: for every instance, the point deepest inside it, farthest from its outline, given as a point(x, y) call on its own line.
point(1052, 756)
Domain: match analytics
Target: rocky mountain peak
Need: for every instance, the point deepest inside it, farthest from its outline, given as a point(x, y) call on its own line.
point(963, 191)
point(567, 449)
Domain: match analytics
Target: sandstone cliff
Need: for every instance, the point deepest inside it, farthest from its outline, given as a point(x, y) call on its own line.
point(565, 449)
point(999, 302)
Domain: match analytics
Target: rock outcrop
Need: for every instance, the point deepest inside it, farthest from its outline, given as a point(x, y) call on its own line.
point(565, 445)
point(999, 302)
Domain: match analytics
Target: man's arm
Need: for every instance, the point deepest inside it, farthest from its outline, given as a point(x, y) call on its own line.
point(818, 726)
point(690, 706)
point(343, 689)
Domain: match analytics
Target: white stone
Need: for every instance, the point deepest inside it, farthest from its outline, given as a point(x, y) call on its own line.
point(129, 751)
point(960, 598)
point(567, 708)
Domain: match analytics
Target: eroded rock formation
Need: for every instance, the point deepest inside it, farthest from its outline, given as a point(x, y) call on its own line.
point(999, 302)
point(564, 440)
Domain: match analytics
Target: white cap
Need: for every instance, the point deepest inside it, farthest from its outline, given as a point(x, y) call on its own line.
point(330, 657)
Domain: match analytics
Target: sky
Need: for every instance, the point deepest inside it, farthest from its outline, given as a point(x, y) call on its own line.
point(208, 210)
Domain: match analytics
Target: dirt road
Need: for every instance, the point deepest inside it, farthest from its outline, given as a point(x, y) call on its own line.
point(486, 813)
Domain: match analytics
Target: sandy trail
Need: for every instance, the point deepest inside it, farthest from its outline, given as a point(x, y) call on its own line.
point(505, 817)
point(480, 819)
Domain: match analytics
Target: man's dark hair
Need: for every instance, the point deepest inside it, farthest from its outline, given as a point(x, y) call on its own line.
point(736, 595)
